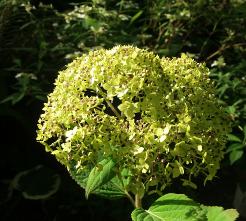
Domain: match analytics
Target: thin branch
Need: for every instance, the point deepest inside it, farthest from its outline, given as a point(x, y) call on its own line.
point(222, 48)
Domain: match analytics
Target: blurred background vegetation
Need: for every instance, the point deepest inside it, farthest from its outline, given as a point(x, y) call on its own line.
point(38, 38)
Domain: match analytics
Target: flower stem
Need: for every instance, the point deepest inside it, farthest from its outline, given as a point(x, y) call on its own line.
point(130, 198)
point(109, 103)
point(138, 201)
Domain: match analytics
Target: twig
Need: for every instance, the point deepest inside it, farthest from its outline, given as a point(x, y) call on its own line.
point(222, 48)
point(109, 103)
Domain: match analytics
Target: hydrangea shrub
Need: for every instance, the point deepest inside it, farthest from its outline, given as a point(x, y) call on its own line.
point(156, 117)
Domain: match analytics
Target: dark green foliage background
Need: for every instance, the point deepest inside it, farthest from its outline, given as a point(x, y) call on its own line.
point(39, 39)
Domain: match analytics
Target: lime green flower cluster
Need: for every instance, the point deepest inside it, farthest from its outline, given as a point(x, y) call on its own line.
point(158, 118)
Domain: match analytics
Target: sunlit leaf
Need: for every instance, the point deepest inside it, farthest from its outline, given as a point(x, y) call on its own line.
point(219, 214)
point(101, 174)
point(170, 207)
point(178, 207)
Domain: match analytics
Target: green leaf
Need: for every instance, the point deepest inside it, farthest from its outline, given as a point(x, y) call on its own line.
point(231, 110)
point(171, 207)
point(129, 109)
point(235, 155)
point(14, 98)
point(116, 187)
point(232, 137)
point(136, 16)
point(231, 214)
point(189, 183)
point(219, 214)
point(178, 207)
point(80, 177)
point(244, 132)
point(112, 190)
point(37, 183)
point(100, 175)
point(235, 146)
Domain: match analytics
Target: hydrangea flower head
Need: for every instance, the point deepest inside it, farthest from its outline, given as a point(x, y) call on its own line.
point(157, 117)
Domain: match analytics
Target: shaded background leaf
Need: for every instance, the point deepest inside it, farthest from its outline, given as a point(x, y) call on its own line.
point(37, 183)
